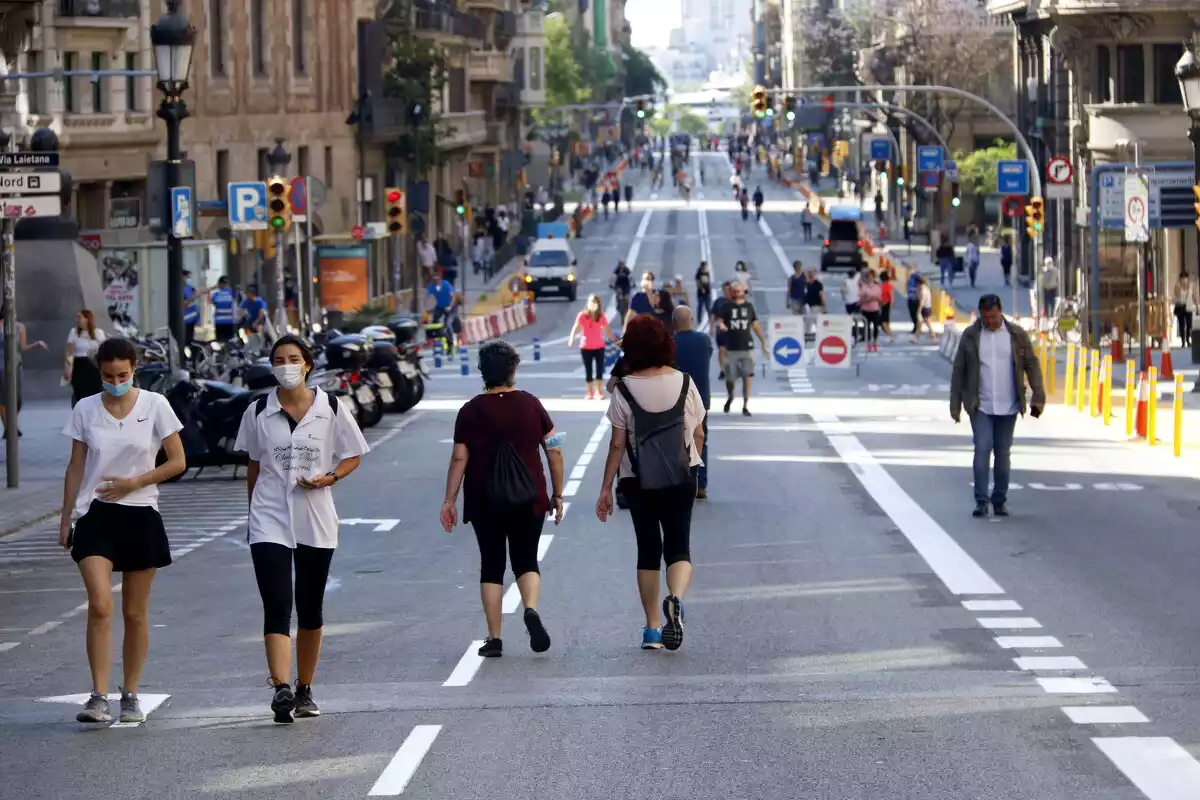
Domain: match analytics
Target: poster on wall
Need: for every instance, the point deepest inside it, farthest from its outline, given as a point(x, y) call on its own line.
point(120, 279)
point(343, 277)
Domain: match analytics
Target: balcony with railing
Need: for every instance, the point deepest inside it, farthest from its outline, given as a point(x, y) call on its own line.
point(504, 28)
point(468, 129)
point(490, 67)
point(442, 19)
point(487, 5)
point(123, 10)
point(531, 24)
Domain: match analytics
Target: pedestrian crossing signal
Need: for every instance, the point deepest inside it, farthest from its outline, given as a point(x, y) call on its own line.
point(279, 204)
point(758, 101)
point(789, 108)
point(460, 202)
point(955, 195)
point(1035, 217)
point(641, 109)
point(396, 221)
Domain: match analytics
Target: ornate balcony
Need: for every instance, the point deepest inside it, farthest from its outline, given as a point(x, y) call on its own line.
point(442, 20)
point(490, 67)
point(469, 130)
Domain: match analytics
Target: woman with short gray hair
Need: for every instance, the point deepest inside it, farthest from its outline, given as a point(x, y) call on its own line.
point(499, 437)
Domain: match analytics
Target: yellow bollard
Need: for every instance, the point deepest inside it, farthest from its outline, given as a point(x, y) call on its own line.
point(1178, 415)
point(1081, 381)
point(1050, 375)
point(1108, 368)
point(1152, 406)
point(1069, 388)
point(1094, 384)
point(1130, 397)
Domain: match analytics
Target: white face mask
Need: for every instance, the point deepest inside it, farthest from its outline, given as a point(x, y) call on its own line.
point(289, 375)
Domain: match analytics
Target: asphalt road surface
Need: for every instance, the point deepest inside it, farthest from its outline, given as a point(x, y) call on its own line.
point(851, 633)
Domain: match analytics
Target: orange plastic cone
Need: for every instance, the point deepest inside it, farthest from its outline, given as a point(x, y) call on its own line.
point(1118, 347)
point(1143, 405)
point(1164, 368)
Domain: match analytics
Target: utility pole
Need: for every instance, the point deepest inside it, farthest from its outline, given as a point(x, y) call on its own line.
point(12, 344)
point(279, 220)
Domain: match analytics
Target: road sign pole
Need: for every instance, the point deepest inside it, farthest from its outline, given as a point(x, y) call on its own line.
point(298, 277)
point(12, 352)
point(280, 268)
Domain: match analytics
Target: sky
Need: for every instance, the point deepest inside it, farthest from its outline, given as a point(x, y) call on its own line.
point(652, 21)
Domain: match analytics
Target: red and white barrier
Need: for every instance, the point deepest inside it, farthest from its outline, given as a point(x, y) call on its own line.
point(481, 327)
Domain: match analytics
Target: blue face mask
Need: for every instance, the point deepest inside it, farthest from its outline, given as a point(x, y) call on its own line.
point(119, 389)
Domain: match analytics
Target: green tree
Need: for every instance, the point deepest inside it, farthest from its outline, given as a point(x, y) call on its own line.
point(414, 73)
point(692, 124)
point(564, 77)
point(641, 76)
point(977, 170)
point(661, 126)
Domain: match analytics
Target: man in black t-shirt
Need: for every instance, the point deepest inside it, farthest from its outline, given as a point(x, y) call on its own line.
point(738, 319)
point(814, 301)
point(714, 316)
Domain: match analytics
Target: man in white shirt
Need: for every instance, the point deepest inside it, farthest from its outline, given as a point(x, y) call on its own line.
point(427, 257)
point(850, 291)
point(1049, 280)
point(994, 360)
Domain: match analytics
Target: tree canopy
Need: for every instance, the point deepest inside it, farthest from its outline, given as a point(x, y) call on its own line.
point(977, 170)
point(564, 78)
point(641, 76)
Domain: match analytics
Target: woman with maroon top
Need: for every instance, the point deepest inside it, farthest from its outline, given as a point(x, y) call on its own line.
point(502, 430)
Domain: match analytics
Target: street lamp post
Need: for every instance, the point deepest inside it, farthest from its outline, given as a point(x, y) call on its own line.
point(278, 160)
point(1188, 73)
point(172, 37)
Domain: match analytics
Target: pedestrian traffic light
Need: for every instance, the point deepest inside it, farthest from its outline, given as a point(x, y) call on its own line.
point(396, 216)
point(758, 101)
point(641, 109)
point(460, 202)
point(279, 204)
point(1035, 219)
point(1196, 205)
point(789, 107)
point(955, 198)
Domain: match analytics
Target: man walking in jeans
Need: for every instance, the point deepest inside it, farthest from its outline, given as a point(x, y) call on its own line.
point(994, 360)
point(693, 355)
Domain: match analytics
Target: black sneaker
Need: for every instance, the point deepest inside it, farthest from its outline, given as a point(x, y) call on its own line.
point(728, 405)
point(305, 706)
point(1000, 509)
point(672, 631)
point(283, 703)
point(745, 411)
point(539, 640)
point(492, 648)
point(981, 510)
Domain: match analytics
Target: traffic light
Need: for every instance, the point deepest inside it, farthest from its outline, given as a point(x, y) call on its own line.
point(1035, 217)
point(279, 204)
point(955, 197)
point(396, 216)
point(1196, 205)
point(758, 101)
point(460, 202)
point(641, 109)
point(789, 107)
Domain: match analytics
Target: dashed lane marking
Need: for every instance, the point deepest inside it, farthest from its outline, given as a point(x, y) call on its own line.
point(1155, 764)
point(467, 666)
point(1027, 642)
point(149, 702)
point(1049, 663)
point(991, 605)
point(403, 765)
point(1009, 623)
point(1104, 715)
point(1092, 685)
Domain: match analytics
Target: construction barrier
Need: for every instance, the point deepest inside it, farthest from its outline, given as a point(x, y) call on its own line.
point(1081, 381)
point(1130, 384)
point(1152, 407)
point(1178, 416)
point(481, 327)
point(1108, 381)
point(1142, 426)
point(1069, 375)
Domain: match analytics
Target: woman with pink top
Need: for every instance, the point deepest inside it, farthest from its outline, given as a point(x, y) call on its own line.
point(870, 298)
point(592, 325)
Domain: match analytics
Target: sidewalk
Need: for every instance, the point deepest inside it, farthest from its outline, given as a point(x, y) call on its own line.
point(44, 453)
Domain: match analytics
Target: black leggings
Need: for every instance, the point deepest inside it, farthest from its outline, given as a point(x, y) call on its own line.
point(662, 522)
point(521, 529)
point(874, 320)
point(593, 364)
point(273, 570)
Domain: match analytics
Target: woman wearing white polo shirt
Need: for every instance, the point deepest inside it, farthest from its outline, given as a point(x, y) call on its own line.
point(111, 487)
point(292, 436)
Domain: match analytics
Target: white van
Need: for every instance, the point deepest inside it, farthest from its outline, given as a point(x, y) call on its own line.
point(550, 269)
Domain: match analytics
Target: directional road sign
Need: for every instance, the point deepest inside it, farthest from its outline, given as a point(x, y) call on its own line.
point(786, 332)
point(30, 182)
point(1058, 179)
point(951, 170)
point(182, 212)
point(28, 160)
point(1012, 177)
point(1137, 208)
point(834, 340)
point(42, 205)
point(881, 149)
point(930, 158)
point(298, 196)
point(1170, 198)
point(248, 206)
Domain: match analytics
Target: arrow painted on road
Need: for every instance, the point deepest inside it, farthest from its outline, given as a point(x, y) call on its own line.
point(381, 525)
point(150, 702)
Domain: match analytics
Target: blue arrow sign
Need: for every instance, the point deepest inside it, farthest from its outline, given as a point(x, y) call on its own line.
point(787, 351)
point(1012, 177)
point(881, 150)
point(930, 158)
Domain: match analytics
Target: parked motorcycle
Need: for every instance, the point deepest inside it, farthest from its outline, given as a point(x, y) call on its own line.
point(344, 370)
point(397, 361)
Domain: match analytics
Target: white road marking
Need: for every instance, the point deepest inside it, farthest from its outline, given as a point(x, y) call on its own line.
point(584, 459)
point(1027, 642)
point(1104, 715)
point(512, 599)
point(394, 432)
point(1093, 685)
point(5, 646)
point(149, 703)
point(781, 256)
point(46, 627)
point(705, 244)
point(403, 765)
point(467, 666)
point(636, 247)
point(991, 605)
point(570, 489)
point(544, 545)
point(1049, 663)
point(578, 472)
point(953, 565)
point(1009, 623)
point(1155, 764)
point(381, 525)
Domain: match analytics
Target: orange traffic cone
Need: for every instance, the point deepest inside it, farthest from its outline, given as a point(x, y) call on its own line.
point(1118, 347)
point(1164, 367)
point(1143, 406)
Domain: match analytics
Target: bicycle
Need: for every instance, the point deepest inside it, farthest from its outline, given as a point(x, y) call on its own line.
point(1065, 322)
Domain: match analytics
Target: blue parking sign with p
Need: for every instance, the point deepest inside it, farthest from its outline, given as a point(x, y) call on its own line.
point(247, 202)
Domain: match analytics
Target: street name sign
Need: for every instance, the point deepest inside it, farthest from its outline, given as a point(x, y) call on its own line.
point(28, 160)
point(30, 183)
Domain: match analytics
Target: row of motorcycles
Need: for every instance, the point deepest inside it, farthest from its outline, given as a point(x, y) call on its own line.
point(373, 372)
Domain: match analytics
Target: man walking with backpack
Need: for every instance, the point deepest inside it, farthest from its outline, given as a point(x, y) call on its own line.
point(656, 445)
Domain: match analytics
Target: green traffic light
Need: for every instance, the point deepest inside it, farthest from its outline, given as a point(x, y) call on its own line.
point(276, 222)
point(641, 114)
point(956, 202)
point(460, 210)
point(791, 115)
point(899, 181)
point(770, 112)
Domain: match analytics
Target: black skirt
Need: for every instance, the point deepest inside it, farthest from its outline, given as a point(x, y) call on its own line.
point(85, 379)
point(131, 537)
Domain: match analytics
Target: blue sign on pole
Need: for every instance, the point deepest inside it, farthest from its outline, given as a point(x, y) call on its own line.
point(248, 206)
point(787, 351)
point(930, 158)
point(881, 150)
point(1012, 177)
point(181, 212)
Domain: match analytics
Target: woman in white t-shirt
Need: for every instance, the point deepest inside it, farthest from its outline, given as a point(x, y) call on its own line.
point(80, 370)
point(662, 517)
point(111, 489)
point(292, 436)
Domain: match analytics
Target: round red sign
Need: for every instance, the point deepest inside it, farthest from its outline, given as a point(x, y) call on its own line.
point(832, 350)
point(827, 104)
point(357, 231)
point(1013, 206)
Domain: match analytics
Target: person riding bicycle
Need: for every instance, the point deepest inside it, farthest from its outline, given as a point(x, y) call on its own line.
point(622, 284)
point(442, 303)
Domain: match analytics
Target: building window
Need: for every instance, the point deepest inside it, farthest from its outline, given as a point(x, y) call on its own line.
point(264, 166)
point(132, 98)
point(216, 38)
point(33, 88)
point(328, 168)
point(1166, 85)
point(258, 43)
point(98, 84)
point(222, 172)
point(302, 162)
point(535, 69)
point(1131, 73)
point(299, 47)
point(457, 84)
point(1104, 74)
point(68, 84)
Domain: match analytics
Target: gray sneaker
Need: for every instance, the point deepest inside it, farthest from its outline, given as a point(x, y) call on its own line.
point(131, 709)
point(95, 710)
point(305, 707)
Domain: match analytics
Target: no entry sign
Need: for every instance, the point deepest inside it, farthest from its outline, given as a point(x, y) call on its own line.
point(834, 340)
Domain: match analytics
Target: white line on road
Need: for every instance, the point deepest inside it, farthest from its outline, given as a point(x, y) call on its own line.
point(1009, 623)
point(544, 545)
point(1027, 642)
point(467, 666)
point(578, 472)
point(991, 605)
point(1093, 685)
point(705, 243)
point(1104, 715)
point(395, 431)
point(403, 765)
point(512, 599)
point(636, 247)
point(570, 489)
point(4, 646)
point(776, 248)
point(1049, 663)
point(1155, 764)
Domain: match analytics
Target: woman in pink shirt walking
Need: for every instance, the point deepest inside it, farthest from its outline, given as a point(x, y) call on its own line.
point(592, 326)
point(870, 299)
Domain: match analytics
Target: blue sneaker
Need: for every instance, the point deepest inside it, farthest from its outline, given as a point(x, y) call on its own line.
point(672, 632)
point(652, 639)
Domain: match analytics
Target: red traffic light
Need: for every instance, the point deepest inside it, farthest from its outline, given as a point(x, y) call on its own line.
point(393, 196)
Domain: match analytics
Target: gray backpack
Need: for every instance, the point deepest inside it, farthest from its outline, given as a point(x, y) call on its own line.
point(658, 447)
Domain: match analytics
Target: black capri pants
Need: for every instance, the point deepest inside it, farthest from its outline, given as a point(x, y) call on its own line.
point(662, 521)
point(273, 570)
point(593, 364)
point(520, 530)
